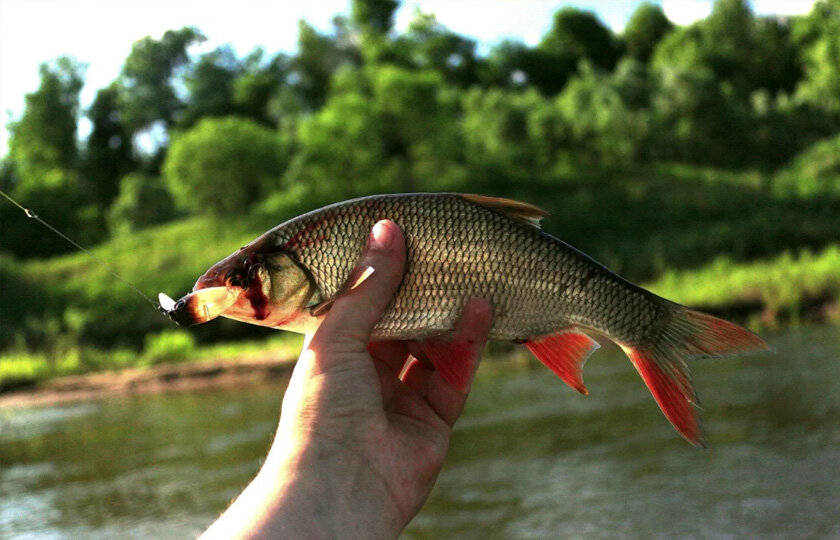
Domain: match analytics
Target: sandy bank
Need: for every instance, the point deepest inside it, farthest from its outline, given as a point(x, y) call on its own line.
point(162, 378)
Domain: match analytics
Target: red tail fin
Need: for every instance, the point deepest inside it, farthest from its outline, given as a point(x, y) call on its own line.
point(689, 334)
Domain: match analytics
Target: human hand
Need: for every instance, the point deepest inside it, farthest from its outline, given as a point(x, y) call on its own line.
point(364, 428)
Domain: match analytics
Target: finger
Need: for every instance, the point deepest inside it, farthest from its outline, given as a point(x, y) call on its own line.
point(389, 358)
point(348, 326)
point(472, 328)
point(392, 353)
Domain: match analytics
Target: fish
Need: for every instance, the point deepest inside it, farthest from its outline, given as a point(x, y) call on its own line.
point(545, 294)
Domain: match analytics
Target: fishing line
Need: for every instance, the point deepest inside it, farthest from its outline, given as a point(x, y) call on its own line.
point(30, 214)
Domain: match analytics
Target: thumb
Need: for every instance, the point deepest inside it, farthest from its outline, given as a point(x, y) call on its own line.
point(348, 325)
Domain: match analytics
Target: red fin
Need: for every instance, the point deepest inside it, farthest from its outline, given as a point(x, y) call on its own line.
point(452, 360)
point(688, 334)
point(565, 353)
point(671, 386)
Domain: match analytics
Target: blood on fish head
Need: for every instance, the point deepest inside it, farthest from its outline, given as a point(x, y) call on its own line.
point(267, 287)
point(215, 292)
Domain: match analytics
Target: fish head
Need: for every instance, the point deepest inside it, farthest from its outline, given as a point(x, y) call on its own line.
point(267, 287)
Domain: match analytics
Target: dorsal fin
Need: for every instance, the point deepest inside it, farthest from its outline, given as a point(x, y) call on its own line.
point(520, 211)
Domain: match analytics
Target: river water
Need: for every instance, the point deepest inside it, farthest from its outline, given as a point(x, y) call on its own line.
point(530, 458)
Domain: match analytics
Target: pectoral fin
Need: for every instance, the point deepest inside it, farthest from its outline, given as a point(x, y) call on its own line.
point(359, 276)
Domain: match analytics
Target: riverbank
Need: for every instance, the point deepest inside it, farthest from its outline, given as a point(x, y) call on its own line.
point(181, 377)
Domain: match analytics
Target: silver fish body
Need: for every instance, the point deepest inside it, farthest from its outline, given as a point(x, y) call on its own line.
point(545, 293)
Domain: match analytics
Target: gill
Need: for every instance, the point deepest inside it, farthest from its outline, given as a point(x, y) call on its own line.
point(32, 215)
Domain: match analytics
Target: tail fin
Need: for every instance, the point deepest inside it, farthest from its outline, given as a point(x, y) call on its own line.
point(688, 334)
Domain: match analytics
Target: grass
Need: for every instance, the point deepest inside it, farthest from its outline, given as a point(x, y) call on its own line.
point(782, 288)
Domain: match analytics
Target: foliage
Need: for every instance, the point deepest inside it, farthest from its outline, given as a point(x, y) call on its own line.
point(210, 83)
point(577, 35)
point(428, 45)
point(168, 346)
point(645, 30)
point(385, 129)
point(818, 35)
point(697, 120)
point(319, 57)
point(603, 130)
point(783, 287)
point(815, 173)
point(223, 165)
point(44, 138)
point(500, 129)
point(142, 201)
point(108, 155)
point(147, 93)
point(374, 16)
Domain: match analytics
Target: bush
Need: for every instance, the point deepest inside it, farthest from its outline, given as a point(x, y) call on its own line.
point(168, 346)
point(143, 200)
point(814, 172)
point(222, 165)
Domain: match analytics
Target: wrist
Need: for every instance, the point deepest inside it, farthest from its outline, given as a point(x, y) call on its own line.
point(325, 491)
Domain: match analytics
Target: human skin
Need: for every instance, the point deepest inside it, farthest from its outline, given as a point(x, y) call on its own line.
point(364, 428)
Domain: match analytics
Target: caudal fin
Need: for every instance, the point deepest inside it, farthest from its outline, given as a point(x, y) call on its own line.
point(662, 364)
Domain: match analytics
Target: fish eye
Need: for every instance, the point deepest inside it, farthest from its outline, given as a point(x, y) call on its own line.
point(178, 305)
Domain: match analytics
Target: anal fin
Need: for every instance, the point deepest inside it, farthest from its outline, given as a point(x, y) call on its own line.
point(564, 353)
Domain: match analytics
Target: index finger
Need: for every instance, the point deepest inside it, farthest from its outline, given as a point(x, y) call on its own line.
point(346, 329)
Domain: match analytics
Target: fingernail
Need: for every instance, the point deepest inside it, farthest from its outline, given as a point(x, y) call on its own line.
point(381, 236)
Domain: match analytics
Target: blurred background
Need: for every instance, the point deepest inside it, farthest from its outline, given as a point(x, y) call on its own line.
point(691, 146)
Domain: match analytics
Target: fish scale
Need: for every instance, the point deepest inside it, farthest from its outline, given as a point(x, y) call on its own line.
point(474, 252)
point(544, 293)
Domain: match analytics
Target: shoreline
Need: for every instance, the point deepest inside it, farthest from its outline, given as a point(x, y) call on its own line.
point(163, 378)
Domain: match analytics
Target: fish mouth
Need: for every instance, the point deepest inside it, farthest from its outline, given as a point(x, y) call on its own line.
point(199, 306)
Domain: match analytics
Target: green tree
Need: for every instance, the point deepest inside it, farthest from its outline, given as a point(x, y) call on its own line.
point(148, 92)
point(373, 16)
point(513, 64)
point(697, 120)
point(210, 83)
point(341, 151)
point(818, 35)
point(108, 153)
point(384, 128)
point(579, 35)
point(511, 137)
point(739, 49)
point(415, 114)
point(603, 130)
point(319, 57)
point(45, 136)
point(429, 45)
point(777, 66)
point(258, 91)
point(645, 30)
point(44, 160)
point(222, 165)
